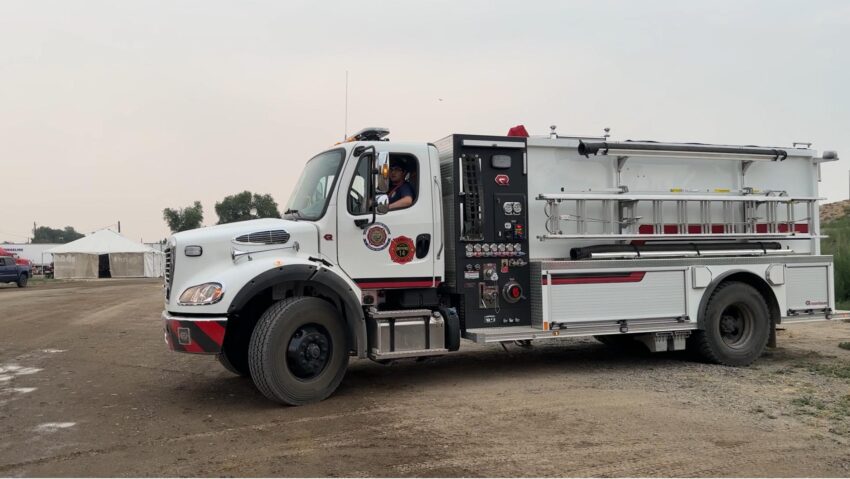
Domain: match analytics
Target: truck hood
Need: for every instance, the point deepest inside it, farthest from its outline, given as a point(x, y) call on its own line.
point(298, 231)
point(218, 242)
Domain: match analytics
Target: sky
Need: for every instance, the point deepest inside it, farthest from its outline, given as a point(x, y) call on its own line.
point(111, 111)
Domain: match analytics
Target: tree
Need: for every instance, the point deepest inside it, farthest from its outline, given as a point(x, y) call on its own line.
point(45, 234)
point(183, 219)
point(246, 206)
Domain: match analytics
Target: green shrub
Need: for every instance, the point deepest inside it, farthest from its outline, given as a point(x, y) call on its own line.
point(838, 245)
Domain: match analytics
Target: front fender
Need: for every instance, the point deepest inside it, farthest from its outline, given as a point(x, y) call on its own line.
point(315, 273)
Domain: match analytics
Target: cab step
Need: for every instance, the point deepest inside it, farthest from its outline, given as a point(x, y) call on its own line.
point(406, 333)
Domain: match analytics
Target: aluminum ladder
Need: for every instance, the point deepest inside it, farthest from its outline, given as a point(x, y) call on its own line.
point(769, 215)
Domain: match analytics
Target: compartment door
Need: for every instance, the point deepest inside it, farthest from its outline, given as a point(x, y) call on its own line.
point(615, 295)
point(807, 287)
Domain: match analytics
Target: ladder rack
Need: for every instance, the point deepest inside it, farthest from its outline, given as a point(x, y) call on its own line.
point(740, 216)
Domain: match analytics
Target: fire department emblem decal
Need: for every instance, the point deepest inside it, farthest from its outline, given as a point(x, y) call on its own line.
point(402, 250)
point(376, 237)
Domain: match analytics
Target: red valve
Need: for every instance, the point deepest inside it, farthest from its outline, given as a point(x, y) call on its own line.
point(512, 292)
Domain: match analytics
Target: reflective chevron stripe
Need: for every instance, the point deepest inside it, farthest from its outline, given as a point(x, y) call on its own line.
point(196, 336)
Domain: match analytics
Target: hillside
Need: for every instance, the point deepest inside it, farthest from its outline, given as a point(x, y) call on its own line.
point(833, 211)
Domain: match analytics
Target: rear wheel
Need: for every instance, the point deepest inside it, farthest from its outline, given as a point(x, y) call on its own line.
point(22, 280)
point(298, 352)
point(736, 326)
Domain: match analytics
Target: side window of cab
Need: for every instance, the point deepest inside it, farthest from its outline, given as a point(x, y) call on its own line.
point(404, 184)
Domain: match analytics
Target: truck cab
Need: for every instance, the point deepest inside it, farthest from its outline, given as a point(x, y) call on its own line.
point(338, 245)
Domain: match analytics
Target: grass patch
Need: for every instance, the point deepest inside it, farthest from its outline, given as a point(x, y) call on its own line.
point(810, 402)
point(844, 345)
point(842, 407)
point(839, 370)
point(41, 280)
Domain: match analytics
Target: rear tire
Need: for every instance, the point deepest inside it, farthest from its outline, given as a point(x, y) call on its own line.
point(298, 352)
point(22, 280)
point(735, 326)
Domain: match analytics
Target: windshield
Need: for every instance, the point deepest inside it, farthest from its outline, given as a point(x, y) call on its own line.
point(310, 197)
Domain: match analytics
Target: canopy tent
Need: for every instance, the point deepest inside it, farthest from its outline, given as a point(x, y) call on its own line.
point(106, 254)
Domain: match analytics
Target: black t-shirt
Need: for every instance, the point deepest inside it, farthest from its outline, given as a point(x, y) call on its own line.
point(397, 193)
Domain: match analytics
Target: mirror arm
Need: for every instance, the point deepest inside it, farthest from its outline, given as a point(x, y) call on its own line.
point(361, 150)
point(363, 223)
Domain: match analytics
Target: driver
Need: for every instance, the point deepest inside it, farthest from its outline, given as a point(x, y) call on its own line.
point(400, 193)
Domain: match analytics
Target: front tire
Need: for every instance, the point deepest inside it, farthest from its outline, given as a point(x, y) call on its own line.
point(736, 326)
point(235, 363)
point(22, 280)
point(298, 352)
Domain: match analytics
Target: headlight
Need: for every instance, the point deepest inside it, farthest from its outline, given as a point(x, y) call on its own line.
point(207, 293)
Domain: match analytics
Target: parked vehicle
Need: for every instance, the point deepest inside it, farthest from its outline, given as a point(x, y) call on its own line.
point(15, 271)
point(507, 238)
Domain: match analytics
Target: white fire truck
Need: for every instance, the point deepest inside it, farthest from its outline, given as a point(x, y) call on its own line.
point(505, 239)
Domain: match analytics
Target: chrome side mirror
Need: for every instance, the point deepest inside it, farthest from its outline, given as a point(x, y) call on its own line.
point(381, 172)
point(382, 204)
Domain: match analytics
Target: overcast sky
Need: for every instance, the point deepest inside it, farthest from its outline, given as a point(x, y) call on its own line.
point(115, 110)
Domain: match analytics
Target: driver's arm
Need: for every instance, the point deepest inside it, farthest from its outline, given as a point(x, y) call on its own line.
point(401, 203)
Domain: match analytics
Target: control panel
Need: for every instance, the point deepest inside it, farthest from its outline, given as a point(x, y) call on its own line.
point(491, 250)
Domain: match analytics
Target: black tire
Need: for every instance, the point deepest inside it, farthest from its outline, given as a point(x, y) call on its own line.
point(22, 280)
point(735, 326)
point(298, 352)
point(236, 363)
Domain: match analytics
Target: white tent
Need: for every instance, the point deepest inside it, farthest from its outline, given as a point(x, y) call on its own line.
point(105, 254)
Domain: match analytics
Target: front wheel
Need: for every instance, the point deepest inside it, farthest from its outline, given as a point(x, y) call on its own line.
point(736, 326)
point(298, 352)
point(235, 362)
point(22, 280)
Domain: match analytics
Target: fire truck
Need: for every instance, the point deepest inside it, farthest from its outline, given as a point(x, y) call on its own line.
point(505, 239)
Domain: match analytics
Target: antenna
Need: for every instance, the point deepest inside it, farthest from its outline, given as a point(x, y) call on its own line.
point(345, 135)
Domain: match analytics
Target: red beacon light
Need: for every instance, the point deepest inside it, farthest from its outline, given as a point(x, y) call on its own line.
point(518, 130)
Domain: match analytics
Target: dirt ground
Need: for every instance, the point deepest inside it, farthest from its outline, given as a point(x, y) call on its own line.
point(88, 388)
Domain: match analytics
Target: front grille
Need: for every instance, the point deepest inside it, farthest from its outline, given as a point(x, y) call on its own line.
point(264, 237)
point(169, 270)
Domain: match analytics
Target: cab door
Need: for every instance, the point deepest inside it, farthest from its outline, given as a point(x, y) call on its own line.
point(398, 249)
point(7, 269)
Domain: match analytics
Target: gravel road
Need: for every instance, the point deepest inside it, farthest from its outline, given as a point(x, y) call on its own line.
point(88, 388)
